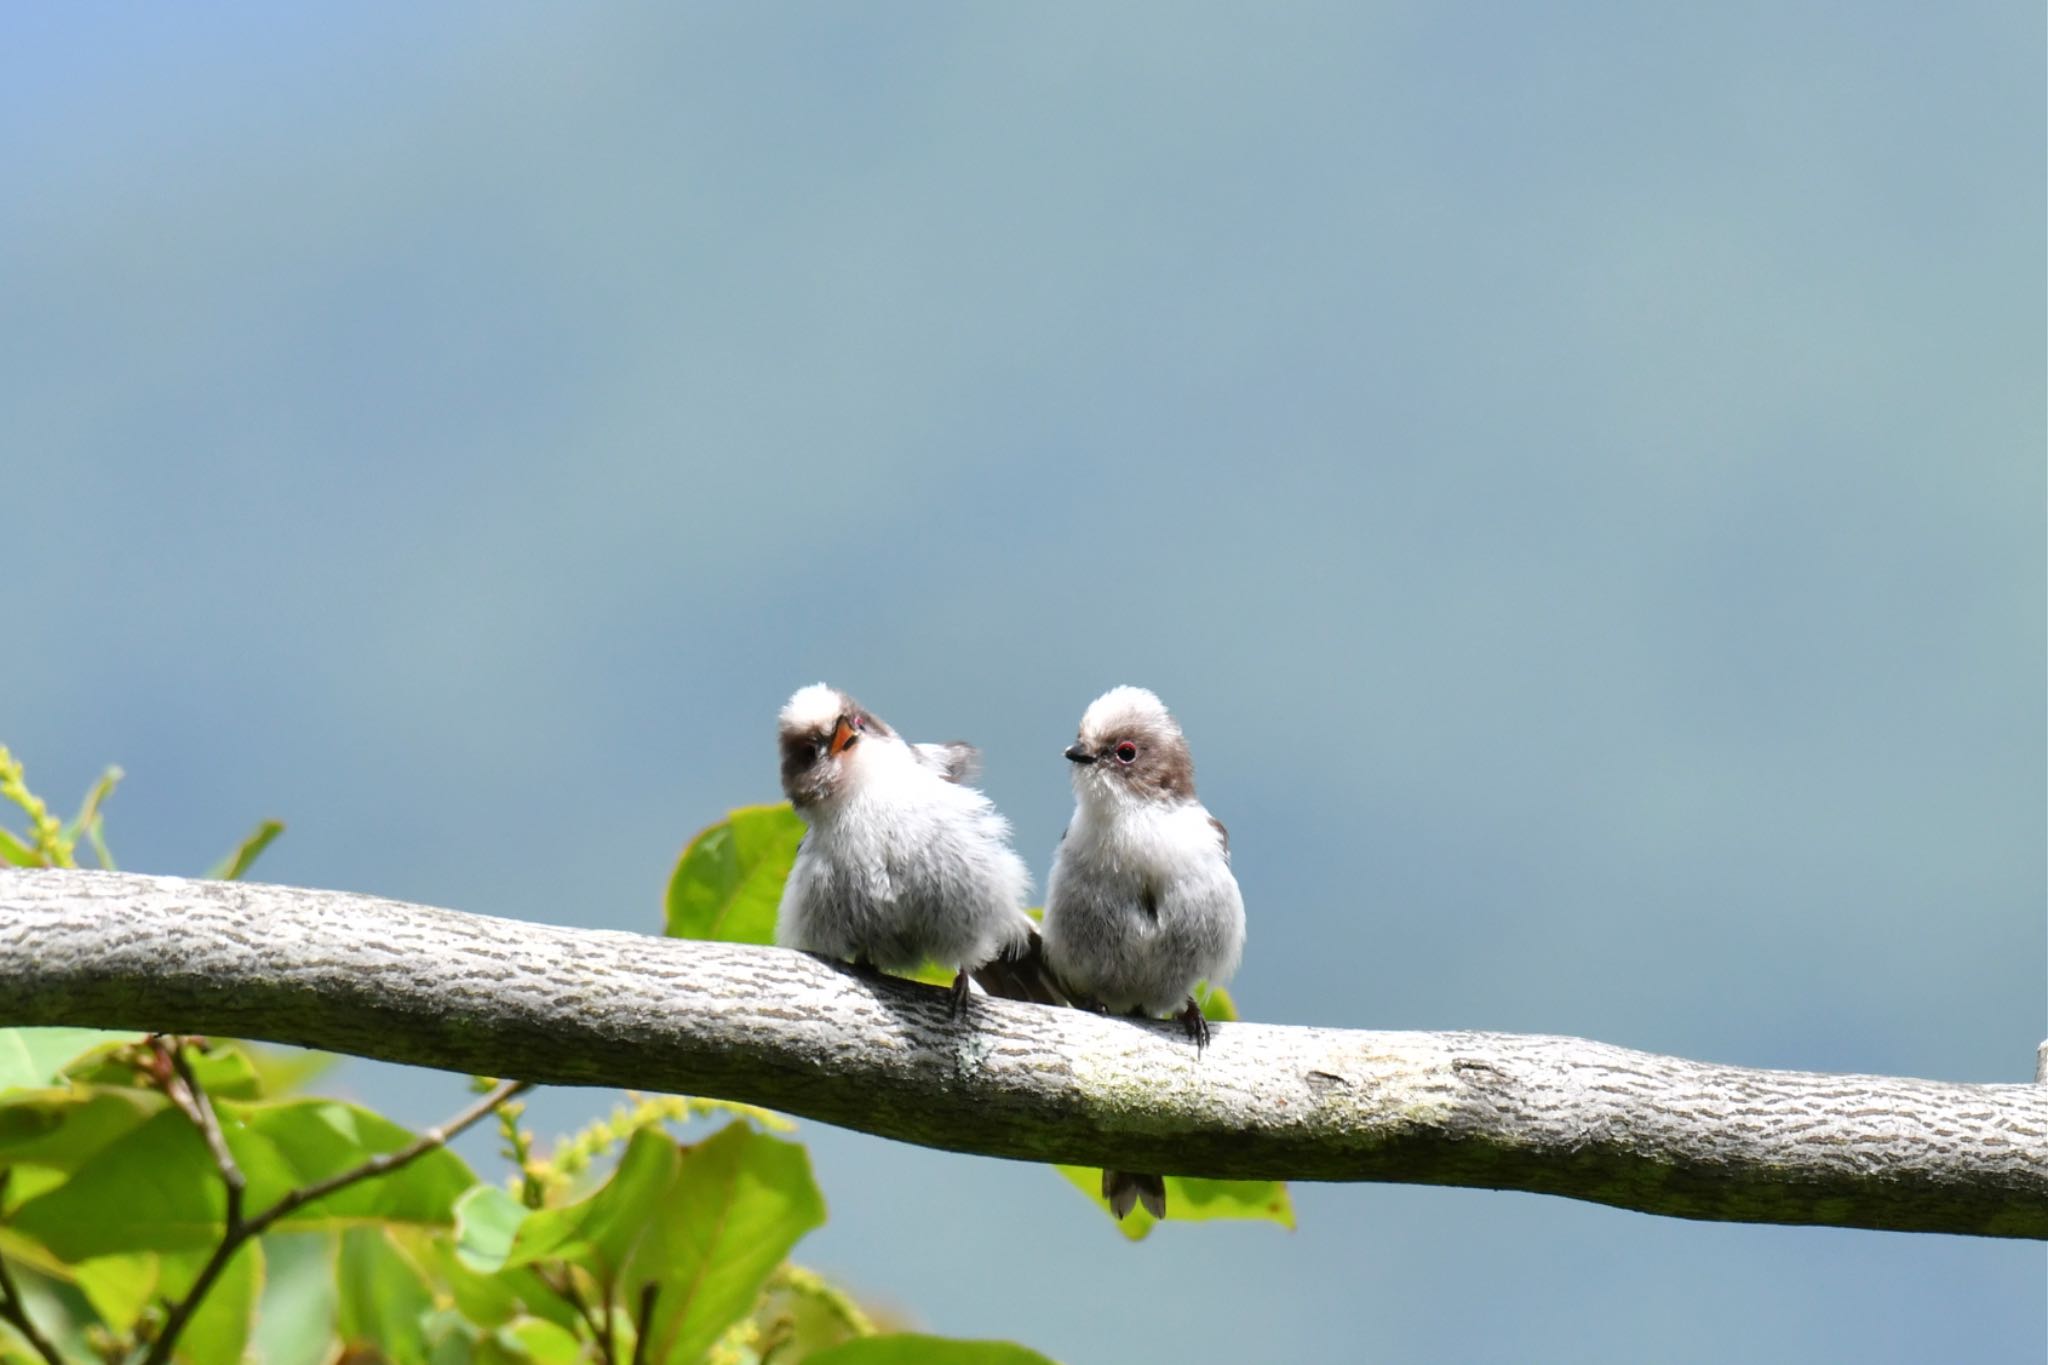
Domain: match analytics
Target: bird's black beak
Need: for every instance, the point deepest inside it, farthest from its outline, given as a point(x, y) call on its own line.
point(1077, 754)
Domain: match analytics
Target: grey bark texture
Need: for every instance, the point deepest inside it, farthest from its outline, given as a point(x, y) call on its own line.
point(439, 988)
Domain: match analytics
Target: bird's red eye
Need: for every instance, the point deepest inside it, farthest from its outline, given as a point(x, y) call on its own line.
point(1126, 752)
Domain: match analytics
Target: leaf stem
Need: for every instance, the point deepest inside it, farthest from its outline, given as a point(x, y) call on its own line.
point(197, 1105)
point(14, 1311)
point(644, 1321)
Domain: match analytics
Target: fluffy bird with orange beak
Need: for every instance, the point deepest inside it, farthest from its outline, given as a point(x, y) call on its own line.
point(902, 862)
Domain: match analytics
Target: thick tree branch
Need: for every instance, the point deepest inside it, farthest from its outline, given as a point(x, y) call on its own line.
point(431, 987)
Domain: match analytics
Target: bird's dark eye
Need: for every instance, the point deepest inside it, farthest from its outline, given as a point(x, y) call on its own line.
point(1126, 752)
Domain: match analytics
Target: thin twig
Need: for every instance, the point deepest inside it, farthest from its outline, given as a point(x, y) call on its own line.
point(643, 1321)
point(388, 1161)
point(192, 1098)
point(573, 1296)
point(607, 1329)
point(14, 1311)
point(240, 1230)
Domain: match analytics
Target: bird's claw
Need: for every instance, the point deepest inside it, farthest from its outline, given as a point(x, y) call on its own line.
point(1196, 1023)
point(956, 1003)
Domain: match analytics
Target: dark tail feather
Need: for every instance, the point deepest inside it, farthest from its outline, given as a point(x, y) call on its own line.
point(1125, 1189)
point(1022, 974)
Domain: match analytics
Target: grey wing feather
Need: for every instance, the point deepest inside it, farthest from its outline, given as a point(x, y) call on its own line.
point(955, 760)
point(1223, 834)
point(1022, 973)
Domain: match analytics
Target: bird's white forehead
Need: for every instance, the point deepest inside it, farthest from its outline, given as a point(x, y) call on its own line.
point(1123, 708)
point(813, 708)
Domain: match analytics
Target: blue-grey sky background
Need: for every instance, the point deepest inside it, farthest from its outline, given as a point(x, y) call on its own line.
point(1576, 471)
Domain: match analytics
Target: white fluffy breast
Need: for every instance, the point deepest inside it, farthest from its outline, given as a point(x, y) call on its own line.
point(1145, 836)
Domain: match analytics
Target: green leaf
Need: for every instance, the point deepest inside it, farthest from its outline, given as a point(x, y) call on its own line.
point(118, 1287)
point(739, 1202)
point(97, 833)
point(283, 1145)
point(232, 867)
point(38, 1056)
point(87, 821)
point(225, 1071)
point(281, 1070)
point(383, 1305)
point(728, 882)
point(219, 1329)
point(13, 850)
point(1217, 1005)
point(295, 1318)
point(153, 1188)
point(47, 1134)
point(910, 1349)
point(542, 1342)
point(1193, 1200)
point(486, 1220)
point(600, 1232)
point(486, 1299)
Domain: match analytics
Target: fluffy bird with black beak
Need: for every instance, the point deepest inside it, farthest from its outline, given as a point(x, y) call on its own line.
point(1141, 904)
point(902, 862)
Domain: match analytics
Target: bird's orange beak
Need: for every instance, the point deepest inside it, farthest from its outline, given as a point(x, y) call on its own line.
point(843, 735)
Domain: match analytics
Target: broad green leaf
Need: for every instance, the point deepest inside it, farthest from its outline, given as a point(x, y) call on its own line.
point(54, 1131)
point(486, 1299)
point(910, 1349)
point(154, 1188)
point(486, 1220)
point(225, 1071)
point(281, 1146)
point(232, 867)
point(738, 1204)
point(452, 1341)
point(118, 1287)
point(37, 1056)
point(383, 1303)
point(729, 880)
point(600, 1233)
point(219, 1330)
point(542, 1342)
point(295, 1318)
